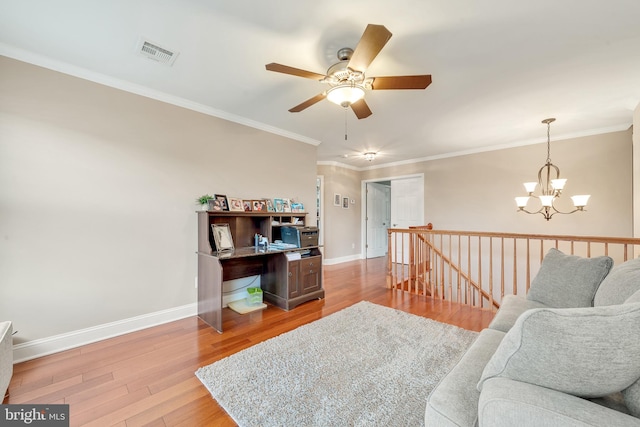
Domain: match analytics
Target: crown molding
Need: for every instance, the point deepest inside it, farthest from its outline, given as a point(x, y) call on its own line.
point(92, 76)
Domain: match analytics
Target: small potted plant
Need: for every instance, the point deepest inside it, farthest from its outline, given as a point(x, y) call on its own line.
point(204, 202)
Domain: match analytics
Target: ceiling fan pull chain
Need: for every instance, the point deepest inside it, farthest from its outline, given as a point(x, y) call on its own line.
point(345, 124)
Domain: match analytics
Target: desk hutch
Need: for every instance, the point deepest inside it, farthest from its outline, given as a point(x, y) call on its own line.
point(286, 282)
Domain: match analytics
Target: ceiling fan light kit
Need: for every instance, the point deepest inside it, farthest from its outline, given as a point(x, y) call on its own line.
point(345, 94)
point(550, 188)
point(347, 79)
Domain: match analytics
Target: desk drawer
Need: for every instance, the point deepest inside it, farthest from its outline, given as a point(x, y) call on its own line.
point(311, 265)
point(308, 239)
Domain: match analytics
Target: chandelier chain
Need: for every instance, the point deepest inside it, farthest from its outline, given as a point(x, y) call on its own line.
point(548, 142)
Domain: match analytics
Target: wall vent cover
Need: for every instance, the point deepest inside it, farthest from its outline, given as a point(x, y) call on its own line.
point(153, 51)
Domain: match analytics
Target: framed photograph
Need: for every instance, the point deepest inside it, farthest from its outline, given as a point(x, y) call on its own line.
point(345, 202)
point(222, 200)
point(211, 203)
point(270, 207)
point(235, 204)
point(337, 200)
point(278, 205)
point(259, 206)
point(222, 237)
point(246, 204)
point(286, 205)
point(297, 207)
point(215, 205)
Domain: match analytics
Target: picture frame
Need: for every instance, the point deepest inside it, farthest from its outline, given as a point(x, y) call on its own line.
point(270, 207)
point(279, 205)
point(235, 204)
point(222, 237)
point(297, 207)
point(211, 203)
point(259, 206)
point(215, 205)
point(345, 202)
point(337, 200)
point(222, 200)
point(286, 205)
point(246, 204)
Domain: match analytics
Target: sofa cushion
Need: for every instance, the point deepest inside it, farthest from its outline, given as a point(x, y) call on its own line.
point(507, 403)
point(587, 352)
point(620, 283)
point(632, 398)
point(452, 402)
point(511, 307)
point(568, 280)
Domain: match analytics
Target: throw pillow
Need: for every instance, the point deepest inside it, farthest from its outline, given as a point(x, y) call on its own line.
point(635, 297)
point(586, 352)
point(565, 281)
point(620, 283)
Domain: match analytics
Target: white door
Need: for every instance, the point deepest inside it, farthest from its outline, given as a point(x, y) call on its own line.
point(407, 206)
point(378, 218)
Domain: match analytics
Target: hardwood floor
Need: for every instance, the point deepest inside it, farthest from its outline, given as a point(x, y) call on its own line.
point(147, 377)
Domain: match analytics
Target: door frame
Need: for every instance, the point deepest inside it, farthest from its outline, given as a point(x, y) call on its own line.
point(363, 205)
point(320, 211)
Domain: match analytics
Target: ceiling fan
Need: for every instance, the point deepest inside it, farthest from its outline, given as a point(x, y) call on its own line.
point(347, 78)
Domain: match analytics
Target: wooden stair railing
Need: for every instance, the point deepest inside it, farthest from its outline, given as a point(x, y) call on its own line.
point(470, 268)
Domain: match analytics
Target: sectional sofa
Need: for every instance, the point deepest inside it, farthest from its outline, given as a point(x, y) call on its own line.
point(567, 354)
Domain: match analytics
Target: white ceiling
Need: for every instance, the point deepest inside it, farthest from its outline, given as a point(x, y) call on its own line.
point(499, 67)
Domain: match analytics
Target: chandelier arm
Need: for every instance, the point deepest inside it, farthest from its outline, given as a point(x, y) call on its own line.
point(544, 211)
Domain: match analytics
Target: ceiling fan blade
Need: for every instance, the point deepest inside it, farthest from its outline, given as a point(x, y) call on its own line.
point(361, 109)
point(279, 68)
point(401, 82)
point(371, 43)
point(308, 103)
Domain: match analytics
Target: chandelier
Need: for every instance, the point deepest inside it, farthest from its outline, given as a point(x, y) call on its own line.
point(550, 188)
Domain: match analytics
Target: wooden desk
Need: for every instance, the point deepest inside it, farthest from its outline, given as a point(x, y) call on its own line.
point(285, 282)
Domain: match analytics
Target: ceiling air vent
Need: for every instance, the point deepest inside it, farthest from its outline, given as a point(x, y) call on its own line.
point(155, 52)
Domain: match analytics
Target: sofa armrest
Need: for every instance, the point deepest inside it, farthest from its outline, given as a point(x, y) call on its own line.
point(454, 401)
point(505, 402)
point(6, 357)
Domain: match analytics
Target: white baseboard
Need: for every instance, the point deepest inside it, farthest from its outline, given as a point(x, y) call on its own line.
point(342, 259)
point(45, 346)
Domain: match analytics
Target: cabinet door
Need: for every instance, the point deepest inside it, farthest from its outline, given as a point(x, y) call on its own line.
point(310, 270)
point(293, 279)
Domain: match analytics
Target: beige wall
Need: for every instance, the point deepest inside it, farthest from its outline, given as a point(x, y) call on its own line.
point(476, 192)
point(97, 197)
point(341, 226)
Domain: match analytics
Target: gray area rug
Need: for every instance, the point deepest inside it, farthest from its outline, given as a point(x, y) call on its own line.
point(366, 365)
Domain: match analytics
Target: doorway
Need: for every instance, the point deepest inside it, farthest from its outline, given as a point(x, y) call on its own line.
point(378, 217)
point(396, 202)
